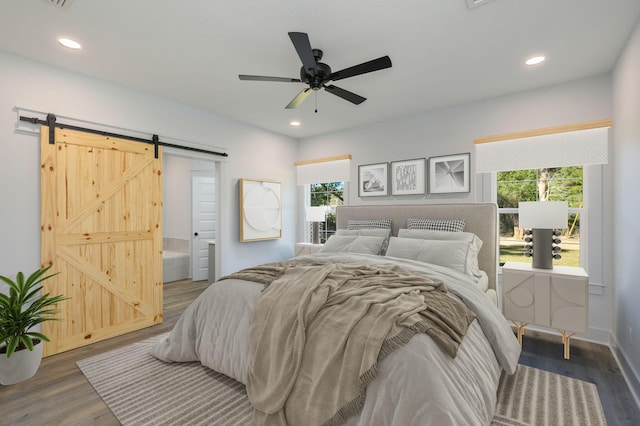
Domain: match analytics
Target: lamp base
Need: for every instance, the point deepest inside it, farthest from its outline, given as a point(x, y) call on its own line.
point(315, 233)
point(542, 248)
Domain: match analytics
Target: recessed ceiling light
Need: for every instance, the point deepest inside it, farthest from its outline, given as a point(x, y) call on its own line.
point(535, 60)
point(475, 3)
point(71, 44)
point(295, 123)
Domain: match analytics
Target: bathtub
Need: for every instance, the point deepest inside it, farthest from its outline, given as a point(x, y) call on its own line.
point(176, 261)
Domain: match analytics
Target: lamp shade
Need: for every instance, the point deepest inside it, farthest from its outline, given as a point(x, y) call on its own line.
point(315, 214)
point(543, 214)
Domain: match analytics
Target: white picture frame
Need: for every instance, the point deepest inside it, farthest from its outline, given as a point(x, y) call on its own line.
point(408, 177)
point(449, 173)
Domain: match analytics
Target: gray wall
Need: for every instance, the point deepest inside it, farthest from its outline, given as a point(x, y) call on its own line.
point(626, 201)
point(253, 153)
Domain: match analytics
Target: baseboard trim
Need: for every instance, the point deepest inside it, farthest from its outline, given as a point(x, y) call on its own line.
point(630, 375)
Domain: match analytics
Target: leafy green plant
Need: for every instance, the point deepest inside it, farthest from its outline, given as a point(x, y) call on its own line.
point(23, 308)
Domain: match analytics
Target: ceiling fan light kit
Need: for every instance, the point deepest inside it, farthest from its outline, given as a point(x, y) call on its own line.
point(317, 74)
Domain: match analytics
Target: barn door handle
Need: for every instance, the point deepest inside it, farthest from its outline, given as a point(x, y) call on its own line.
point(195, 234)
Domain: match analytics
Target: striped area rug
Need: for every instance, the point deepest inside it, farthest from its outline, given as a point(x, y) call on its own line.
point(537, 397)
point(141, 390)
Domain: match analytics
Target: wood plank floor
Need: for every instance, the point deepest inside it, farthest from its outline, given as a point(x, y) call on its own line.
point(60, 395)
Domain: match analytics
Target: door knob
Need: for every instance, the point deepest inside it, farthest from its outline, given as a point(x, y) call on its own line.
point(195, 234)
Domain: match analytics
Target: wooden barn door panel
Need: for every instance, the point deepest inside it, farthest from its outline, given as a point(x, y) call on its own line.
point(101, 215)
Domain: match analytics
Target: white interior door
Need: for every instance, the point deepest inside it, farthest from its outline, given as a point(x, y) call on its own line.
point(203, 224)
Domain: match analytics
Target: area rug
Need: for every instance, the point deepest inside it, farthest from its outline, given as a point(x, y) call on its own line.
point(141, 390)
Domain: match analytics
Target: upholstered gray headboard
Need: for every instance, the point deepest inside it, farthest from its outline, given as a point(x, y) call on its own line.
point(480, 218)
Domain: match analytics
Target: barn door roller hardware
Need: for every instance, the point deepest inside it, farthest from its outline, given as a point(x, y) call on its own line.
point(155, 141)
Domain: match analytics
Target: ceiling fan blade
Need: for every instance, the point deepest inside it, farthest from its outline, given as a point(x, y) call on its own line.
point(300, 97)
point(363, 68)
point(345, 94)
point(263, 78)
point(303, 47)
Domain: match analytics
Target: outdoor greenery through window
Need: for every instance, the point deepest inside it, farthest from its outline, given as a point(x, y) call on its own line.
point(547, 184)
point(330, 195)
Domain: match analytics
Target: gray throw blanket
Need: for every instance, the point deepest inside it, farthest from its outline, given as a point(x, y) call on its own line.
point(319, 330)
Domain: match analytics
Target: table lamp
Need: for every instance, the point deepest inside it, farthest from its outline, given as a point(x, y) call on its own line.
point(542, 217)
point(315, 215)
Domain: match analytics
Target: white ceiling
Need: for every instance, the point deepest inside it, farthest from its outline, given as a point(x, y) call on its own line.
point(443, 54)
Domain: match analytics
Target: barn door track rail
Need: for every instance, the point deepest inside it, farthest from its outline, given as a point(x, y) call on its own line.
point(155, 140)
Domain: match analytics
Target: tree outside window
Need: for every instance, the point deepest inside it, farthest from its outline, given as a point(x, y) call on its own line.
point(545, 184)
point(329, 195)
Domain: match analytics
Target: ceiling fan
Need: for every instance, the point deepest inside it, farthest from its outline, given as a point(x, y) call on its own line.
point(317, 74)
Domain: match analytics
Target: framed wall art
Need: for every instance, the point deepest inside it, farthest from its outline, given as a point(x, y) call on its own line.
point(449, 173)
point(260, 210)
point(373, 180)
point(408, 177)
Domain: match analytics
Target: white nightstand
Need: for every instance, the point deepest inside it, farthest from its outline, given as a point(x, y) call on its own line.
point(307, 248)
point(557, 298)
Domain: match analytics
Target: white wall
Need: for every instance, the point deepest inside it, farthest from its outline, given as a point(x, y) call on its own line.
point(253, 153)
point(176, 197)
point(626, 136)
point(452, 130)
point(177, 204)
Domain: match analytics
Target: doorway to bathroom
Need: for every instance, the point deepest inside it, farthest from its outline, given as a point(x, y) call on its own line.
point(189, 217)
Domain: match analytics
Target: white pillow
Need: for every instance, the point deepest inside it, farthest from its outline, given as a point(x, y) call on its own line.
point(353, 244)
point(472, 266)
point(450, 253)
point(369, 232)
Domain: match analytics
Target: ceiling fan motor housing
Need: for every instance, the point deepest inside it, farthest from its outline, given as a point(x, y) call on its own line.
point(323, 71)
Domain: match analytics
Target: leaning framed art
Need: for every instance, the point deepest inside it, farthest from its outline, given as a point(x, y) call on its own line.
point(373, 179)
point(260, 210)
point(449, 173)
point(407, 177)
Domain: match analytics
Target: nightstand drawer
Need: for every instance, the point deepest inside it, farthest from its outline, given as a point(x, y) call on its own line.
point(569, 303)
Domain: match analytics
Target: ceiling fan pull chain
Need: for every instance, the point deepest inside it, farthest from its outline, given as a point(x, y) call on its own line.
point(316, 93)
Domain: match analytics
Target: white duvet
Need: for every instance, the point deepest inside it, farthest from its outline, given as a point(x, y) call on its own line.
point(418, 384)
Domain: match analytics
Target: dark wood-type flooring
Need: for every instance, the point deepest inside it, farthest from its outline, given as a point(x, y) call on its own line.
point(590, 362)
point(60, 395)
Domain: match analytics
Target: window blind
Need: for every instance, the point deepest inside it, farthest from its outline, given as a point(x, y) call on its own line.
point(330, 169)
point(562, 148)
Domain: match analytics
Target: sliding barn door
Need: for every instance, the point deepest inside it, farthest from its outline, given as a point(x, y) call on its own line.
point(101, 217)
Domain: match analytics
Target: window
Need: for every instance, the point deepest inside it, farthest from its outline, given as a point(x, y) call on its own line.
point(544, 184)
point(330, 195)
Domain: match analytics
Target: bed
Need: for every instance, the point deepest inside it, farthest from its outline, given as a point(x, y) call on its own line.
point(288, 329)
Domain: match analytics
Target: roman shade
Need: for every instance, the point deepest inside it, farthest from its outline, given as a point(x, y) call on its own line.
point(329, 169)
point(573, 145)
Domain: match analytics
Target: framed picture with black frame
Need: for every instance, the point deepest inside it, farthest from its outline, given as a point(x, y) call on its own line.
point(408, 177)
point(449, 173)
point(373, 180)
